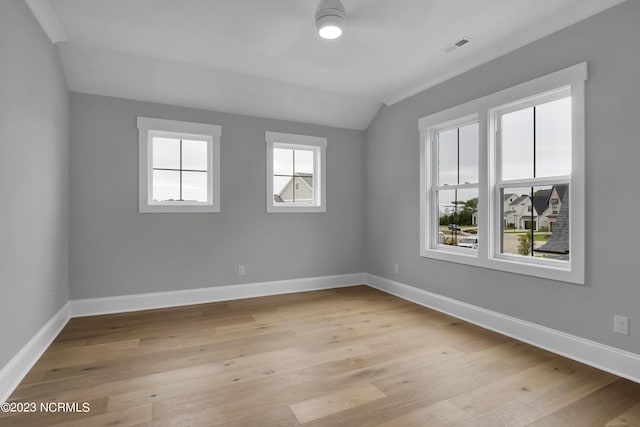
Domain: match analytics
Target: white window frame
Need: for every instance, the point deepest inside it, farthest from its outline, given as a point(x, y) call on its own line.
point(148, 128)
point(298, 142)
point(433, 220)
point(484, 110)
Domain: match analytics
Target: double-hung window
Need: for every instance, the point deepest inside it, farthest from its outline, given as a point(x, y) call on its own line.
point(295, 173)
point(179, 166)
point(502, 179)
point(455, 191)
point(533, 146)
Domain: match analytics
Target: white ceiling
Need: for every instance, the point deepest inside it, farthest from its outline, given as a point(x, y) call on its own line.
point(265, 58)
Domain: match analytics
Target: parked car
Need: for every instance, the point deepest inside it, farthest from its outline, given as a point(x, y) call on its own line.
point(454, 227)
point(469, 242)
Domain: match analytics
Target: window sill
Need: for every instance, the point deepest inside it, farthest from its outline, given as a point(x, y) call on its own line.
point(559, 272)
point(179, 208)
point(452, 255)
point(296, 209)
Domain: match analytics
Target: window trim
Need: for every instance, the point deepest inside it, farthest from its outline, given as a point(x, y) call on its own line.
point(301, 142)
point(150, 127)
point(483, 108)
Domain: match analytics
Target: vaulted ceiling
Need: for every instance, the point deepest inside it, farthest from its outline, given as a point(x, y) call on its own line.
point(265, 58)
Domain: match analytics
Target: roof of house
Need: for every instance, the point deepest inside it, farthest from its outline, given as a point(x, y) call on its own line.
point(543, 193)
point(508, 196)
point(540, 203)
point(561, 190)
point(519, 200)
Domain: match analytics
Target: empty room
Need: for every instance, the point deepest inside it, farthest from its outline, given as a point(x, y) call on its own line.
point(405, 213)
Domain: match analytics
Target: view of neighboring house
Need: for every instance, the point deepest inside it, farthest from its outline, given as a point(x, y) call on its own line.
point(548, 210)
point(299, 189)
point(521, 212)
point(509, 217)
point(558, 244)
point(555, 201)
point(510, 198)
point(524, 212)
point(541, 206)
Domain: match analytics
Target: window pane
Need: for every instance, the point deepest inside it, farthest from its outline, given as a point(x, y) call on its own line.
point(469, 154)
point(553, 138)
point(303, 162)
point(458, 212)
point(536, 221)
point(303, 188)
point(194, 155)
point(194, 186)
point(166, 186)
point(517, 209)
point(517, 144)
point(526, 222)
point(553, 239)
point(540, 210)
point(166, 153)
point(282, 189)
point(448, 157)
point(282, 162)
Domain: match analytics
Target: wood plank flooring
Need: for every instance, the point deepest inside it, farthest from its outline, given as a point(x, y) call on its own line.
point(344, 357)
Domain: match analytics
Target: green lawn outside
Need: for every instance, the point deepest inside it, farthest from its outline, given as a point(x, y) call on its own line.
point(538, 236)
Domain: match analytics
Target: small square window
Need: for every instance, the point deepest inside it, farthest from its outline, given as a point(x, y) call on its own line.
point(295, 173)
point(179, 166)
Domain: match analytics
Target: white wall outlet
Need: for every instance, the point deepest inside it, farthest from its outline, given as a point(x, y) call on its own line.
point(621, 325)
point(396, 268)
point(241, 270)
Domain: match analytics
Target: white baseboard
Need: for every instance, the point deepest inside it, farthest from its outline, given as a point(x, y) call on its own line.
point(14, 371)
point(125, 303)
point(610, 359)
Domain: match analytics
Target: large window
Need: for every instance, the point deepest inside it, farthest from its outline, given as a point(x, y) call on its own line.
point(295, 173)
point(502, 179)
point(456, 193)
point(179, 166)
point(533, 139)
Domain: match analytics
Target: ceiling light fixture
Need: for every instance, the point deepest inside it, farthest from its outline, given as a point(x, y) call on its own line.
point(330, 19)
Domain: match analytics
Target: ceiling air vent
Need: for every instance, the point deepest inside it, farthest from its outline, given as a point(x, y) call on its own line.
point(457, 44)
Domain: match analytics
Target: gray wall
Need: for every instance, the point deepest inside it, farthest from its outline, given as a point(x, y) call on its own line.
point(33, 179)
point(609, 41)
point(116, 251)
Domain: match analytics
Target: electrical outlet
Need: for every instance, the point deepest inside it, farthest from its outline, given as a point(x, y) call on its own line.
point(241, 270)
point(396, 268)
point(621, 325)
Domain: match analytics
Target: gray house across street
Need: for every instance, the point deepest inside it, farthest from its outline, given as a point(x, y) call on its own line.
point(299, 189)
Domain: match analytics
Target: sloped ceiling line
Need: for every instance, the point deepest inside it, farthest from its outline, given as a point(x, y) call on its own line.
point(253, 58)
point(48, 20)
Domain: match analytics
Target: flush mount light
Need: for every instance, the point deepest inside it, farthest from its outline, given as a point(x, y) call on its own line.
point(330, 19)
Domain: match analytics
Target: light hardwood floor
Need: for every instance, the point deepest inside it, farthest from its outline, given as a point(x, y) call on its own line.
point(345, 357)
